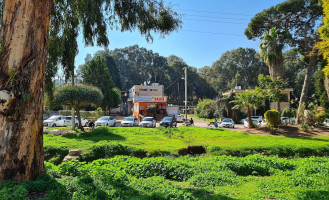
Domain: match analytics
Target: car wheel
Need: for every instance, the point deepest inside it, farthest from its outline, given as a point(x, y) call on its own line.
point(233, 127)
point(54, 125)
point(107, 124)
point(76, 125)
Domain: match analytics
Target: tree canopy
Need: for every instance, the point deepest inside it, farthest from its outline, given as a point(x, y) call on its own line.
point(78, 97)
point(237, 67)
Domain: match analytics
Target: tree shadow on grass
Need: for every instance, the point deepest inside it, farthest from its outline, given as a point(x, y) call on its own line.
point(99, 134)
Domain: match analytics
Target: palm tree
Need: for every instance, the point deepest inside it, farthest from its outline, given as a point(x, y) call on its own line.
point(249, 100)
point(271, 50)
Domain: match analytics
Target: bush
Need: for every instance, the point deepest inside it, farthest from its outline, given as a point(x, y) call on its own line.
point(109, 151)
point(288, 112)
point(54, 154)
point(309, 118)
point(320, 117)
point(272, 118)
point(205, 108)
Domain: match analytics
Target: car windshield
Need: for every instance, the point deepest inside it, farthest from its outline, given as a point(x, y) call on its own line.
point(148, 119)
point(226, 120)
point(53, 118)
point(167, 119)
point(178, 116)
point(68, 118)
point(103, 118)
point(255, 117)
point(129, 119)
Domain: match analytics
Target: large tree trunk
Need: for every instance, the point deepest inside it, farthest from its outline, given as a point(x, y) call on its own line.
point(250, 123)
point(23, 61)
point(326, 85)
point(306, 85)
point(276, 69)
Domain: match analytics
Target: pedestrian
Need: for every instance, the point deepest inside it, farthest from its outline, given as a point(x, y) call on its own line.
point(191, 121)
point(91, 125)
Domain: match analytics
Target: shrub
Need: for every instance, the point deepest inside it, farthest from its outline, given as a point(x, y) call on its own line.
point(221, 178)
point(272, 118)
point(109, 151)
point(288, 112)
point(15, 193)
point(309, 118)
point(320, 117)
point(205, 108)
point(54, 154)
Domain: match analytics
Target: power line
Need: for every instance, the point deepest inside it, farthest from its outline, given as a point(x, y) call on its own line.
point(202, 20)
point(213, 33)
point(174, 81)
point(221, 13)
point(216, 17)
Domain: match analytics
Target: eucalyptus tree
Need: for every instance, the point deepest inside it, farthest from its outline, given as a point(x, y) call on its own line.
point(273, 42)
point(24, 41)
point(301, 18)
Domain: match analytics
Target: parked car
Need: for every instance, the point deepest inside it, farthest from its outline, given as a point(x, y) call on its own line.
point(258, 118)
point(254, 121)
point(54, 121)
point(227, 123)
point(168, 122)
point(129, 121)
point(106, 121)
point(179, 118)
point(149, 122)
point(68, 121)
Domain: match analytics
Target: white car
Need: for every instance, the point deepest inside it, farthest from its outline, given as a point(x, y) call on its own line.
point(227, 123)
point(258, 118)
point(149, 122)
point(106, 121)
point(54, 121)
point(254, 121)
point(179, 118)
point(129, 121)
point(68, 121)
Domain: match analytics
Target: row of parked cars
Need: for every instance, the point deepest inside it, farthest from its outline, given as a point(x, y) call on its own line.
point(150, 122)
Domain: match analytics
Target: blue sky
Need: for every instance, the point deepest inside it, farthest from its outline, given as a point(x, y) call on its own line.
point(210, 27)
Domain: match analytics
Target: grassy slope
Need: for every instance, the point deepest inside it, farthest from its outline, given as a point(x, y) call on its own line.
point(217, 141)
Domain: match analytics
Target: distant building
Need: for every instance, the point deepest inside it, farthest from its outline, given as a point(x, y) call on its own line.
point(142, 97)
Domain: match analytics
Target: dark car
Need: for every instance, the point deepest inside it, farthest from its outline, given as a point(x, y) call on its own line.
point(168, 122)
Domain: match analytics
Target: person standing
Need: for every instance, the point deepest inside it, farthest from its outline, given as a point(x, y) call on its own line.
point(191, 121)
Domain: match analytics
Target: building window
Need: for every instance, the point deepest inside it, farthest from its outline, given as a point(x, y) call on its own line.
point(143, 90)
point(154, 90)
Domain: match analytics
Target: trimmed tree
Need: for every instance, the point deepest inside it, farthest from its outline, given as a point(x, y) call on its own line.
point(78, 97)
point(249, 101)
point(23, 60)
point(271, 47)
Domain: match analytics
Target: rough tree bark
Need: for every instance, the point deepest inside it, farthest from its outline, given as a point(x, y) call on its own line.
point(250, 123)
point(326, 84)
point(22, 68)
point(306, 85)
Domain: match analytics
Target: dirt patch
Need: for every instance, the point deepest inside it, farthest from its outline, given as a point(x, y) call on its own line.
point(289, 131)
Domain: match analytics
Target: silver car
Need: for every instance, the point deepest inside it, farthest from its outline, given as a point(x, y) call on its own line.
point(149, 122)
point(129, 121)
point(227, 123)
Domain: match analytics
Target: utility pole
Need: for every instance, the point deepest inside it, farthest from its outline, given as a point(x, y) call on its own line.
point(185, 69)
point(72, 109)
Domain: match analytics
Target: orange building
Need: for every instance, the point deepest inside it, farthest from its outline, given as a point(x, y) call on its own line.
point(148, 100)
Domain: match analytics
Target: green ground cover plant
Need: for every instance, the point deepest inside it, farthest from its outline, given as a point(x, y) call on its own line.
point(105, 142)
point(207, 177)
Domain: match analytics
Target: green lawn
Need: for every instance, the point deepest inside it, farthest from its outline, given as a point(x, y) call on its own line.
point(162, 141)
